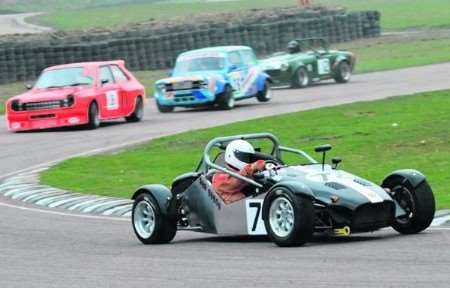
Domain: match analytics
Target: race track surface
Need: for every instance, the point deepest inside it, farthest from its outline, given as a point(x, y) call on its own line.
point(16, 24)
point(42, 248)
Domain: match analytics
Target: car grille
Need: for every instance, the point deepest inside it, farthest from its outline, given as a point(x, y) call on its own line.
point(185, 85)
point(373, 216)
point(43, 105)
point(274, 73)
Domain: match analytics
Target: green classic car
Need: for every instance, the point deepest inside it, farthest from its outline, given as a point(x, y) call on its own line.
point(308, 61)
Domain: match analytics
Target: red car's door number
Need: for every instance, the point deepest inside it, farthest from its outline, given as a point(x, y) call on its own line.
point(112, 100)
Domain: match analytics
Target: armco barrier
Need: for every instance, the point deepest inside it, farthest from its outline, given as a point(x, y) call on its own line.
point(146, 49)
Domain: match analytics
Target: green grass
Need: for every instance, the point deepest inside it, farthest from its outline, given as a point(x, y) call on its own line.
point(364, 134)
point(396, 14)
point(381, 54)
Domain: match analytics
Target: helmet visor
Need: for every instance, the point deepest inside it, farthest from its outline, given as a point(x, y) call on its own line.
point(245, 157)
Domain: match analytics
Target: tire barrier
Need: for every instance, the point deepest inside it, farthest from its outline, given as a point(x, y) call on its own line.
point(149, 47)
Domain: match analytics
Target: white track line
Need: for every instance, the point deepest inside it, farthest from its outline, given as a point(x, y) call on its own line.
point(63, 214)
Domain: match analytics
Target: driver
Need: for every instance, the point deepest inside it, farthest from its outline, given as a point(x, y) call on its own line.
point(293, 47)
point(238, 157)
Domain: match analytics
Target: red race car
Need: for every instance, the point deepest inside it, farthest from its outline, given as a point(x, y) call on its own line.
point(78, 94)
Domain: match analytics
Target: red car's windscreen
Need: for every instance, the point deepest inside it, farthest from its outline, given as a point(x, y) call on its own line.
point(74, 76)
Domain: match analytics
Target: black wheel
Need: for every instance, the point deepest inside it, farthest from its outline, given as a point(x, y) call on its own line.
point(149, 224)
point(164, 108)
point(225, 100)
point(265, 94)
point(301, 78)
point(418, 203)
point(93, 116)
point(138, 112)
point(343, 72)
point(290, 219)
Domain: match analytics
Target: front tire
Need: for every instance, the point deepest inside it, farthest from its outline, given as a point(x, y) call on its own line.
point(225, 100)
point(343, 72)
point(418, 202)
point(93, 117)
point(290, 219)
point(164, 108)
point(265, 94)
point(138, 112)
point(149, 224)
point(301, 78)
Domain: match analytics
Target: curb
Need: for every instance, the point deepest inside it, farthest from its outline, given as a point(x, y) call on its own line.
point(25, 187)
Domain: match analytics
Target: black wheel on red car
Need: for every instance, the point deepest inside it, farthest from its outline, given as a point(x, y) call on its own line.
point(265, 94)
point(93, 115)
point(343, 72)
point(164, 108)
point(138, 112)
point(290, 218)
point(149, 224)
point(301, 78)
point(225, 100)
point(418, 203)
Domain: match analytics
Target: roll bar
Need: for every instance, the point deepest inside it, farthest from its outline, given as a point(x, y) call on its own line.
point(218, 142)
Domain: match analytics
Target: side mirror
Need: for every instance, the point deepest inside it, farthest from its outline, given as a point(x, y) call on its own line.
point(335, 161)
point(232, 68)
point(323, 148)
point(29, 86)
point(104, 81)
point(170, 73)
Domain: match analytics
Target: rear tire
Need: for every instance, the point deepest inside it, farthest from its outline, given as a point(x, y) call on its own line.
point(343, 72)
point(265, 94)
point(418, 202)
point(164, 108)
point(93, 117)
point(290, 219)
point(138, 112)
point(301, 78)
point(149, 224)
point(225, 100)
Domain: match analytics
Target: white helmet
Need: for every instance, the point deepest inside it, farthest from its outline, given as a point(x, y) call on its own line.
point(239, 153)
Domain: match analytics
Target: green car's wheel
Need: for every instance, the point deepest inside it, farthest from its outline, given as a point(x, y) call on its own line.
point(138, 112)
point(265, 94)
point(418, 203)
point(164, 108)
point(290, 219)
point(149, 224)
point(225, 100)
point(301, 78)
point(343, 72)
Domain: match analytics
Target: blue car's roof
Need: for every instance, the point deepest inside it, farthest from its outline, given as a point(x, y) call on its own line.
point(218, 49)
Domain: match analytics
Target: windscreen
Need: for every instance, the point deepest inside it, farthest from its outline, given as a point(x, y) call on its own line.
point(63, 77)
point(206, 62)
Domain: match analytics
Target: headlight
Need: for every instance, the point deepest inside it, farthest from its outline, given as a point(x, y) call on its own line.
point(161, 87)
point(284, 67)
point(15, 105)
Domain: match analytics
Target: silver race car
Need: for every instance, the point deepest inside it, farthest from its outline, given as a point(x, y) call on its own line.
point(287, 202)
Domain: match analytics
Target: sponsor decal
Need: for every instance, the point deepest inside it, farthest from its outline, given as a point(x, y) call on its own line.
point(211, 194)
point(250, 80)
point(112, 100)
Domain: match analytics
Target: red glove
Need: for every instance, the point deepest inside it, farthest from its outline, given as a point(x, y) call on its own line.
point(259, 165)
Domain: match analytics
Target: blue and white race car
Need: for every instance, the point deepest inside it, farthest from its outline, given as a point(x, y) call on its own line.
point(216, 76)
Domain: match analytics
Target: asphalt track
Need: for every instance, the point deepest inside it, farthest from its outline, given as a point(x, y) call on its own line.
point(16, 24)
point(42, 248)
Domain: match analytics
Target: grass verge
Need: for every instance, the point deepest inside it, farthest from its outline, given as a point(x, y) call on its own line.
point(373, 138)
point(398, 14)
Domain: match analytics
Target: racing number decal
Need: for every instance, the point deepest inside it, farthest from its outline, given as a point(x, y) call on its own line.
point(112, 100)
point(236, 80)
point(323, 66)
point(255, 223)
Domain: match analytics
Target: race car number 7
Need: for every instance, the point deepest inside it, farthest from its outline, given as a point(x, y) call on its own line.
point(255, 223)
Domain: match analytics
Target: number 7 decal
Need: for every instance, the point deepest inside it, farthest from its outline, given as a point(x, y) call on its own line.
point(255, 223)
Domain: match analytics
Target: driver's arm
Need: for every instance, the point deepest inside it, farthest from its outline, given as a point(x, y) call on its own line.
point(224, 183)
